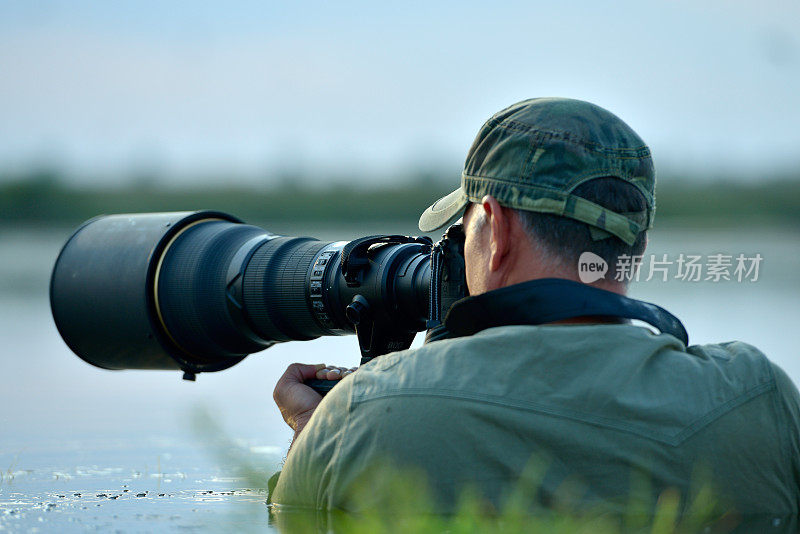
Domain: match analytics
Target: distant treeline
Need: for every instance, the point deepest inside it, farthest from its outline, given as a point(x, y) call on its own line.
point(43, 199)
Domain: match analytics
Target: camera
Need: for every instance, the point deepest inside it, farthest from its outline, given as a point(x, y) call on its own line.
point(199, 291)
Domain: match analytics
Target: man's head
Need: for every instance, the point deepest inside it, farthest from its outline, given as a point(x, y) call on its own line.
point(544, 181)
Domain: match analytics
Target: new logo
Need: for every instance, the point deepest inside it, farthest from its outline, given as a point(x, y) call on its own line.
point(591, 267)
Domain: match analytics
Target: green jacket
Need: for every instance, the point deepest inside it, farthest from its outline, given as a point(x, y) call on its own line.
point(596, 404)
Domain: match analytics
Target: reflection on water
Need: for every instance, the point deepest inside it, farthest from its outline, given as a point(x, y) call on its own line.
point(61, 415)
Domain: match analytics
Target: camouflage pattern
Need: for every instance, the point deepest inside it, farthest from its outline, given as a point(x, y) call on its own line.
point(533, 154)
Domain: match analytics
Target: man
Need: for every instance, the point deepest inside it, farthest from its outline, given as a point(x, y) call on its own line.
point(545, 368)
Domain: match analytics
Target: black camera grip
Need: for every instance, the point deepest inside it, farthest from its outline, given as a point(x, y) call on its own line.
point(321, 386)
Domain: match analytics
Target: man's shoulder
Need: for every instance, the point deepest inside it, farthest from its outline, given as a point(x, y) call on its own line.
point(533, 344)
point(575, 367)
point(737, 361)
point(497, 361)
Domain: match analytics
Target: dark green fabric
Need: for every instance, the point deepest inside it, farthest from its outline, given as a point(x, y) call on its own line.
point(597, 403)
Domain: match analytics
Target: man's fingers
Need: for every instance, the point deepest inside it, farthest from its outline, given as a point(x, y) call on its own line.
point(333, 373)
point(329, 373)
point(300, 372)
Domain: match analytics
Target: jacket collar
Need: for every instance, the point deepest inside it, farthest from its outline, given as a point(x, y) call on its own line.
point(553, 299)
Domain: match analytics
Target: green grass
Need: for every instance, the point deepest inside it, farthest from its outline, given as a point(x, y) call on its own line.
point(44, 199)
point(389, 499)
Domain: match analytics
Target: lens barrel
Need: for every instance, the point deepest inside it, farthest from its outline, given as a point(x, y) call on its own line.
point(199, 291)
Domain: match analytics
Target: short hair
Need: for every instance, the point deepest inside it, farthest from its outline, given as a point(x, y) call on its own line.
point(566, 239)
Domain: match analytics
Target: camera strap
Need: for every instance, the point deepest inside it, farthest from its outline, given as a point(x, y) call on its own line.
point(553, 299)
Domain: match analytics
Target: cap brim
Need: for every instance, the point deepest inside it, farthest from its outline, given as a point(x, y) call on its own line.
point(443, 211)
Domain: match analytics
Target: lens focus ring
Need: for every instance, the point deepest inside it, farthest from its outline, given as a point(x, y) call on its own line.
point(276, 289)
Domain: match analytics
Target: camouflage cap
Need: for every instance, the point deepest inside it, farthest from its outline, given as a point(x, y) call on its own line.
point(533, 154)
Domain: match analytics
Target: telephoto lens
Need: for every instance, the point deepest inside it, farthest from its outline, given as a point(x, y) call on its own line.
point(199, 291)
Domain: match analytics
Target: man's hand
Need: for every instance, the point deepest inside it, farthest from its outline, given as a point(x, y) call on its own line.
point(297, 401)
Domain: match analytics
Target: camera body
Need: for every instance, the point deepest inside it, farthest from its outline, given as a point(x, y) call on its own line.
point(199, 291)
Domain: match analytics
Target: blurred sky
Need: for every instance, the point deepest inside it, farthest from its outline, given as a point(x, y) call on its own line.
point(247, 90)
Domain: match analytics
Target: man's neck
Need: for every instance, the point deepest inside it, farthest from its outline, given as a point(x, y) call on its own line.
point(526, 275)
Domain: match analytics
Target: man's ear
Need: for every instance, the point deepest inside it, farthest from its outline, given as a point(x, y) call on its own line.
point(499, 228)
